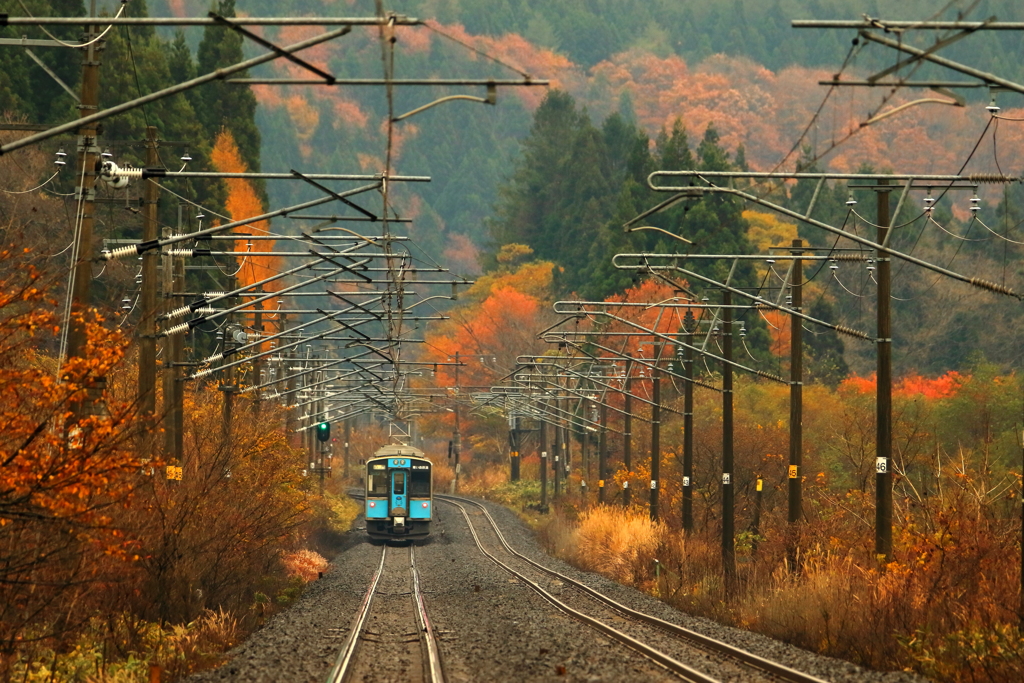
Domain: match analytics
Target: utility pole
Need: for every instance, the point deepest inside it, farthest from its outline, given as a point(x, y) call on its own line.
point(602, 454)
point(796, 410)
point(883, 421)
point(348, 440)
point(173, 388)
point(227, 385)
point(655, 441)
point(689, 325)
point(584, 451)
point(85, 193)
point(147, 321)
point(559, 445)
point(257, 364)
point(543, 466)
point(513, 440)
point(457, 438)
point(755, 525)
point(627, 435)
point(728, 493)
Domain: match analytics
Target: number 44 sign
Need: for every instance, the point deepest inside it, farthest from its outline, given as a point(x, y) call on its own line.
point(881, 465)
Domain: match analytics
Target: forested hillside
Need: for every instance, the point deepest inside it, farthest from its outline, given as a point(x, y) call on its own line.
point(734, 73)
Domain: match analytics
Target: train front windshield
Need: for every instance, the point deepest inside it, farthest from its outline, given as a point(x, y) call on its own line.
point(378, 484)
point(419, 483)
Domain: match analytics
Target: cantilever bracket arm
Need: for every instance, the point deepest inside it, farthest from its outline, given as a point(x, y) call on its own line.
point(334, 194)
point(491, 99)
point(683, 193)
point(329, 78)
point(942, 61)
point(881, 248)
point(166, 92)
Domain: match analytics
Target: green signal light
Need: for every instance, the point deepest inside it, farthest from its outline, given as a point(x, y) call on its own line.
point(323, 431)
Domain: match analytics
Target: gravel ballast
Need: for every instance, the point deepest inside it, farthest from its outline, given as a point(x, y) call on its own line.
point(491, 626)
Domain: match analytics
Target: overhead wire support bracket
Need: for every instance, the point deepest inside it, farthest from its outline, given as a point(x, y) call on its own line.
point(142, 247)
point(329, 78)
point(942, 61)
point(334, 194)
point(397, 19)
point(167, 92)
point(705, 176)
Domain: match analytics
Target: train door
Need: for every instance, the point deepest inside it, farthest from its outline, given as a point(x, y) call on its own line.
point(399, 497)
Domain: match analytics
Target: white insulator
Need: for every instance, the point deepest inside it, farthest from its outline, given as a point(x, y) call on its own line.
point(214, 358)
point(202, 373)
point(253, 337)
point(179, 312)
point(207, 310)
point(177, 329)
point(179, 252)
point(119, 252)
point(210, 295)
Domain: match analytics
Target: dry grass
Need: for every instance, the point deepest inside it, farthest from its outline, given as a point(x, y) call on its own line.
point(936, 610)
point(616, 543)
point(305, 564)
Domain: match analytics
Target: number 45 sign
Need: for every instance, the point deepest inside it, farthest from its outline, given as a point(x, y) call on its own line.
point(881, 465)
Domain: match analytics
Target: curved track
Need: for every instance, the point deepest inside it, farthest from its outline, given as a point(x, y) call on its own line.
point(751, 666)
point(384, 608)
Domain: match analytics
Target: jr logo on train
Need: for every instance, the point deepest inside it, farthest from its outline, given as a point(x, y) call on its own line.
point(399, 501)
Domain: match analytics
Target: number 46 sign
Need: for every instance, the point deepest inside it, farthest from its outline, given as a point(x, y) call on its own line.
point(881, 465)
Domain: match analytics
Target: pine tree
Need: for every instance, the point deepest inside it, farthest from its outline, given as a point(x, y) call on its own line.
point(222, 105)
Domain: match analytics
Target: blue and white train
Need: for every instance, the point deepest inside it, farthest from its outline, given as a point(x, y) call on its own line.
point(399, 494)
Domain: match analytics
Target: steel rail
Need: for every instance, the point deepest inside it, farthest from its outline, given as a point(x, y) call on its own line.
point(348, 651)
point(748, 658)
point(670, 663)
point(433, 664)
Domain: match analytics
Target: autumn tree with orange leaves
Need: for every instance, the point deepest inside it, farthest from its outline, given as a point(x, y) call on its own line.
point(64, 480)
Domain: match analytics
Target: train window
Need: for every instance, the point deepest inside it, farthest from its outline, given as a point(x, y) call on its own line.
point(378, 485)
point(419, 483)
point(399, 486)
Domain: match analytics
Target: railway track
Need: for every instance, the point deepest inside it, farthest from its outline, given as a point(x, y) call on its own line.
point(392, 623)
point(709, 660)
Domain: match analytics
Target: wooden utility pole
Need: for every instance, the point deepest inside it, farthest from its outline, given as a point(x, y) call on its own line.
point(228, 379)
point(796, 411)
point(513, 455)
point(257, 364)
point(627, 435)
point(543, 465)
point(147, 297)
point(348, 440)
point(457, 438)
point(174, 390)
point(602, 455)
point(883, 420)
point(655, 442)
point(85, 193)
point(559, 445)
point(728, 489)
point(689, 325)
